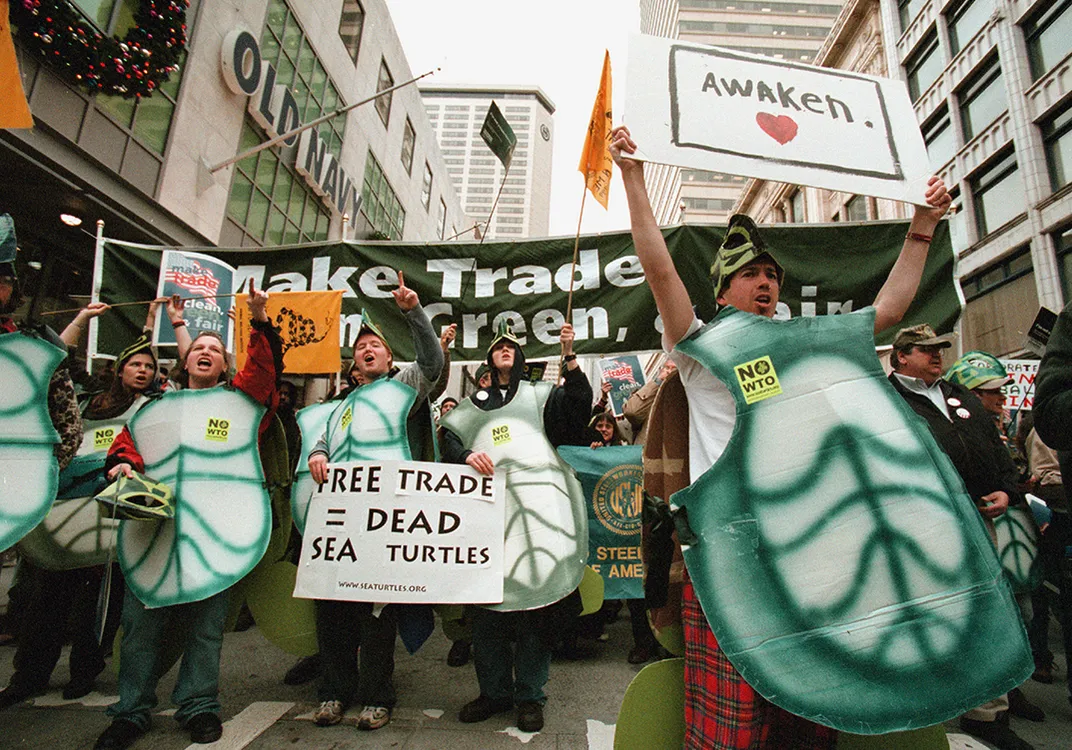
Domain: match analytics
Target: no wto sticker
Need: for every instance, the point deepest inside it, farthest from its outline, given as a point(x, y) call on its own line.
point(758, 379)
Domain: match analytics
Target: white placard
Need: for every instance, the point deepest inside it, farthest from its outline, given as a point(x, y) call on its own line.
point(404, 531)
point(1020, 393)
point(710, 108)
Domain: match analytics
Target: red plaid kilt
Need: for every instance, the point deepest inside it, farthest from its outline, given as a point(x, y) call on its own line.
point(722, 710)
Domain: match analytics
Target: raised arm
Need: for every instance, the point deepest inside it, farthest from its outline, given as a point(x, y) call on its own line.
point(669, 291)
point(73, 332)
point(174, 306)
point(900, 288)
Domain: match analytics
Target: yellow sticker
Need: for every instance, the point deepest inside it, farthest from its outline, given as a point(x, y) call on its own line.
point(347, 418)
point(757, 379)
point(217, 430)
point(103, 438)
point(500, 435)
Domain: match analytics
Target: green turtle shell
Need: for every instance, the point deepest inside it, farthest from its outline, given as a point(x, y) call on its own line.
point(840, 562)
point(546, 539)
point(312, 421)
point(1018, 540)
point(202, 443)
point(29, 472)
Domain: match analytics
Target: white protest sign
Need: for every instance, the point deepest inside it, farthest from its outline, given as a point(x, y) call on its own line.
point(704, 107)
point(1020, 393)
point(404, 531)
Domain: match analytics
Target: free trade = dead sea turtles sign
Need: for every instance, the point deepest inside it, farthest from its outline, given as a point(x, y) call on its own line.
point(716, 109)
point(406, 532)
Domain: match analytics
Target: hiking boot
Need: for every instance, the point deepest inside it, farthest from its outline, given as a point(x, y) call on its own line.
point(119, 735)
point(530, 717)
point(1044, 674)
point(1020, 706)
point(484, 708)
point(204, 728)
point(328, 714)
point(373, 717)
point(458, 656)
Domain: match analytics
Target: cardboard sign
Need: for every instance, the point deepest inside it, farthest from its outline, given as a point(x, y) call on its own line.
point(1020, 394)
point(206, 284)
point(704, 107)
point(1039, 333)
point(404, 531)
point(625, 375)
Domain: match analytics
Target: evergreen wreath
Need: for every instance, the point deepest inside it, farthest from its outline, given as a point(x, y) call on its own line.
point(57, 32)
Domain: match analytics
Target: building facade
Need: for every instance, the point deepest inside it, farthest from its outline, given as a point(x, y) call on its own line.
point(457, 113)
point(250, 72)
point(782, 30)
point(991, 83)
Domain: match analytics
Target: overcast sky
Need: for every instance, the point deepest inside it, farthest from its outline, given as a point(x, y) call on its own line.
point(555, 44)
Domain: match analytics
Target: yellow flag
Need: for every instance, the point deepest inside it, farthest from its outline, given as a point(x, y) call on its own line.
point(308, 323)
point(596, 161)
point(14, 111)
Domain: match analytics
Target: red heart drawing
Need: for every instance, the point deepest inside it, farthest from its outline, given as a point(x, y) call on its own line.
point(779, 127)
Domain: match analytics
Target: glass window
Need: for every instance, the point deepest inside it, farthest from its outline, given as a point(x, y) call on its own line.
point(982, 99)
point(997, 275)
point(426, 187)
point(442, 218)
point(908, 10)
point(939, 137)
point(958, 225)
point(409, 140)
point(383, 103)
point(924, 67)
point(1057, 137)
point(997, 194)
point(966, 21)
point(856, 209)
point(1047, 36)
point(351, 22)
point(796, 207)
point(380, 204)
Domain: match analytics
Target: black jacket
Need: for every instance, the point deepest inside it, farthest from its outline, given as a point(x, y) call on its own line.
point(973, 443)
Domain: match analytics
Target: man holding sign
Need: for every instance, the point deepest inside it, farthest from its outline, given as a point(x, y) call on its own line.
point(734, 449)
point(374, 422)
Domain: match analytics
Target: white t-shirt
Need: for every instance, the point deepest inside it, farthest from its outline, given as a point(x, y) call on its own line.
point(712, 411)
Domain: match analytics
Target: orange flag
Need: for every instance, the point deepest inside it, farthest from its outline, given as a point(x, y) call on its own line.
point(596, 161)
point(14, 111)
point(308, 323)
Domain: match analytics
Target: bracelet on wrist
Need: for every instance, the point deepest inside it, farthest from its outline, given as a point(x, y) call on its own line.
point(919, 237)
point(569, 358)
point(178, 323)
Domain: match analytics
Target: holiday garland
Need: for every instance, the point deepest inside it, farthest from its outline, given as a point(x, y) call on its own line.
point(59, 34)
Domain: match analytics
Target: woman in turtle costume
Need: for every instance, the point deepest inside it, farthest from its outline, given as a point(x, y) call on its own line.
point(513, 426)
point(202, 441)
point(65, 555)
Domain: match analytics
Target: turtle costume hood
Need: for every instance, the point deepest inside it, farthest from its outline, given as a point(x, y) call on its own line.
point(742, 245)
point(8, 248)
point(517, 372)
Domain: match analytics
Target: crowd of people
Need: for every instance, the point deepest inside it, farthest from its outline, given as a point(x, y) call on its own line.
point(385, 411)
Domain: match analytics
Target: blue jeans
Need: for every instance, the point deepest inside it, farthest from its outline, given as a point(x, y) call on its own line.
point(510, 658)
point(144, 632)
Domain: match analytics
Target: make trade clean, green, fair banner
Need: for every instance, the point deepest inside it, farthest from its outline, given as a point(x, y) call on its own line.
point(613, 482)
point(829, 269)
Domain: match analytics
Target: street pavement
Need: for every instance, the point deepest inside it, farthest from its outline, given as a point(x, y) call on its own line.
point(262, 713)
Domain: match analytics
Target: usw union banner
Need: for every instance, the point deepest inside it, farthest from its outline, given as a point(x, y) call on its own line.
point(613, 482)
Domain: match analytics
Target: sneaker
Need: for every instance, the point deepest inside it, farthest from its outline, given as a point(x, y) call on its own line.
point(373, 717)
point(204, 728)
point(458, 656)
point(530, 717)
point(997, 733)
point(119, 735)
point(328, 714)
point(484, 708)
point(1020, 706)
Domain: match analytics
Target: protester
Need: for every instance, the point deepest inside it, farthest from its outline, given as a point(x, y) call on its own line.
point(382, 415)
point(604, 431)
point(69, 596)
point(638, 405)
point(721, 708)
point(512, 641)
point(965, 429)
point(145, 630)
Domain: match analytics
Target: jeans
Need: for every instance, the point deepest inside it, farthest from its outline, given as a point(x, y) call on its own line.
point(517, 670)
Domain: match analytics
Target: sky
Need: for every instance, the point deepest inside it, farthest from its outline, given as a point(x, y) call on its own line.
point(555, 44)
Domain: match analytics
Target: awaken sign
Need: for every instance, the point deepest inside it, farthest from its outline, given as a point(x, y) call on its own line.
point(727, 111)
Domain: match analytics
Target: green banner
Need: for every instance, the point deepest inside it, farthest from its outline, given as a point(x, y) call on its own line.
point(498, 135)
point(829, 269)
point(613, 482)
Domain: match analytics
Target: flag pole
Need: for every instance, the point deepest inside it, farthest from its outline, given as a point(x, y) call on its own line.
point(576, 250)
point(98, 280)
point(496, 203)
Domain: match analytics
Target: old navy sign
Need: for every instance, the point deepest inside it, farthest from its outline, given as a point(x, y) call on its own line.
point(275, 109)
